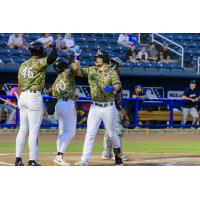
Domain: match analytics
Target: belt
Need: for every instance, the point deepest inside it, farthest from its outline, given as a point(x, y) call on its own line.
point(103, 104)
point(32, 91)
point(63, 99)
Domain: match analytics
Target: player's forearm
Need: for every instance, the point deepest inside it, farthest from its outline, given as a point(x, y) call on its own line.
point(82, 72)
point(117, 87)
point(187, 98)
point(52, 56)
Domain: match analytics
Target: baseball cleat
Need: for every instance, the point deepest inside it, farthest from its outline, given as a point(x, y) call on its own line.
point(118, 157)
point(118, 161)
point(60, 162)
point(124, 158)
point(81, 163)
point(33, 163)
point(20, 163)
point(105, 157)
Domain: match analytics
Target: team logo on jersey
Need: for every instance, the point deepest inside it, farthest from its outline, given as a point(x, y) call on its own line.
point(106, 77)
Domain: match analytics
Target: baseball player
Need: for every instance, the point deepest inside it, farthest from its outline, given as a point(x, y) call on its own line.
point(190, 107)
point(103, 82)
point(64, 91)
point(107, 143)
point(31, 79)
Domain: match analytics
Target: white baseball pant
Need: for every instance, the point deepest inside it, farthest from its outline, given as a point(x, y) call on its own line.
point(190, 111)
point(66, 115)
point(107, 143)
point(31, 113)
point(96, 115)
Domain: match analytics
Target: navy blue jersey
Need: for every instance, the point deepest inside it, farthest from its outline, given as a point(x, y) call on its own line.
point(191, 94)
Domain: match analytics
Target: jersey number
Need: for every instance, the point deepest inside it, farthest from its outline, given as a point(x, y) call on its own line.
point(60, 86)
point(27, 72)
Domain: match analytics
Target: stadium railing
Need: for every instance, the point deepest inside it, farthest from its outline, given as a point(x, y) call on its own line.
point(136, 118)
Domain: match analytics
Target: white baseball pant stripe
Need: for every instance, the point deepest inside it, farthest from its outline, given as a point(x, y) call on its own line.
point(95, 117)
point(66, 115)
point(31, 113)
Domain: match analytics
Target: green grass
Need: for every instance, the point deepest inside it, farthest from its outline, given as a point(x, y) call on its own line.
point(128, 146)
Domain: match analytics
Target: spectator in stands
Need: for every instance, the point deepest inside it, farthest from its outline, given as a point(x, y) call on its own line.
point(3, 106)
point(131, 54)
point(17, 41)
point(46, 40)
point(58, 41)
point(123, 40)
point(131, 104)
point(164, 55)
point(192, 95)
point(68, 42)
point(81, 114)
point(142, 55)
point(152, 52)
point(161, 58)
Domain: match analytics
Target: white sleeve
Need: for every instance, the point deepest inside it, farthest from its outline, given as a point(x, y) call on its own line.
point(120, 38)
point(146, 55)
point(72, 43)
point(40, 40)
point(51, 38)
point(10, 40)
point(139, 55)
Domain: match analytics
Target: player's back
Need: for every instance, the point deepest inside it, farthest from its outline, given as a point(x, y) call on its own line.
point(64, 85)
point(31, 75)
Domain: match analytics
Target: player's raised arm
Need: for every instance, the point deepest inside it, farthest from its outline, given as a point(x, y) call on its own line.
point(79, 71)
point(53, 54)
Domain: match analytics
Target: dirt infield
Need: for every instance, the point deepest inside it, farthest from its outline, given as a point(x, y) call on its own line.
point(135, 159)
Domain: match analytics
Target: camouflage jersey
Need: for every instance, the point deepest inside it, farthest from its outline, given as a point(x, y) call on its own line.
point(64, 85)
point(98, 80)
point(32, 73)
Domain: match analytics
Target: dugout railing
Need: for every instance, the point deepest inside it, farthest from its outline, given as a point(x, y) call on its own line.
point(167, 115)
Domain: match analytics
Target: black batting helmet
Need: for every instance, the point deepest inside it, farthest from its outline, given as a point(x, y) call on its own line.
point(37, 49)
point(60, 65)
point(104, 55)
point(115, 62)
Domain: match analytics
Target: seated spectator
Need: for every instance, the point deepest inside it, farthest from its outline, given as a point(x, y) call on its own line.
point(161, 58)
point(166, 55)
point(68, 42)
point(131, 54)
point(46, 40)
point(152, 52)
point(58, 41)
point(142, 55)
point(3, 106)
point(123, 40)
point(17, 41)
